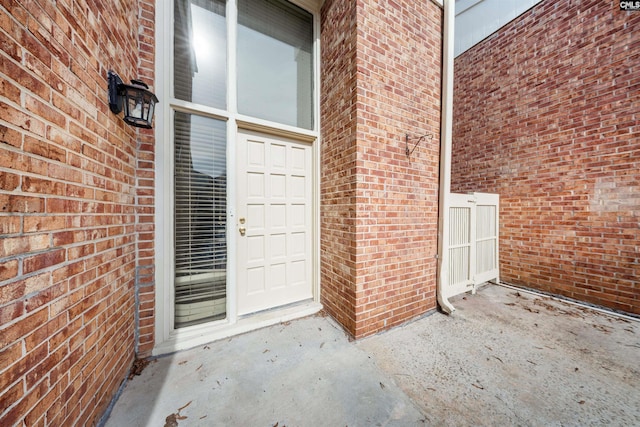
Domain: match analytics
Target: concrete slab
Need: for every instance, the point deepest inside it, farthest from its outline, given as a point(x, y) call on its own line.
point(302, 373)
point(503, 358)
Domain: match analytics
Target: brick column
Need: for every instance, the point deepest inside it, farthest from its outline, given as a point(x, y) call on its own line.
point(380, 81)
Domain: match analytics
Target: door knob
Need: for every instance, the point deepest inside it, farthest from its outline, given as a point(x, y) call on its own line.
point(242, 231)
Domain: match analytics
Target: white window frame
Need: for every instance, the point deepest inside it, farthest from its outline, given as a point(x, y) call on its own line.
point(167, 338)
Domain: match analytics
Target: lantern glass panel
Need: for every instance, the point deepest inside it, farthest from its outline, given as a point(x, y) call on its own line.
point(139, 106)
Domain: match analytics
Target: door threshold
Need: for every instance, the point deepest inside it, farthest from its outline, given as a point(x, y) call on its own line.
point(193, 336)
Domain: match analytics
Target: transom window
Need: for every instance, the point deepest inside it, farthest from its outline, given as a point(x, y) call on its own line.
point(275, 62)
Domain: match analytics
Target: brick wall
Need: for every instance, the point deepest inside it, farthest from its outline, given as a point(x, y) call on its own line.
point(75, 207)
point(380, 80)
point(145, 193)
point(546, 115)
point(338, 158)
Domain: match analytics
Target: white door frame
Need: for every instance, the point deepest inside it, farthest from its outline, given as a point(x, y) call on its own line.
point(167, 338)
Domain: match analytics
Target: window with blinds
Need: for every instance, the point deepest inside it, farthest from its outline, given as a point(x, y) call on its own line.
point(200, 190)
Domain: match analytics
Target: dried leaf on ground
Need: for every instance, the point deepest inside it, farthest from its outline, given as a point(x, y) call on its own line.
point(138, 367)
point(189, 403)
point(171, 421)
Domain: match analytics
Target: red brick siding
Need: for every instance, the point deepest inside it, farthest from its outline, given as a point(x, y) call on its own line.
point(546, 115)
point(145, 192)
point(380, 80)
point(338, 157)
point(71, 177)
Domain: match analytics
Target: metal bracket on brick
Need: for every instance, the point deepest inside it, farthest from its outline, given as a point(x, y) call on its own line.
point(418, 140)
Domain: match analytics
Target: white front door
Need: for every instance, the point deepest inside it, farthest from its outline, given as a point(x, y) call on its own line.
point(274, 221)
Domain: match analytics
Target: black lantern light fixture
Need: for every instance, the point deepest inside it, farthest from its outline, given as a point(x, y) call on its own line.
point(136, 100)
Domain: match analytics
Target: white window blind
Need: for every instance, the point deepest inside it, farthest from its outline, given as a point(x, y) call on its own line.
point(200, 186)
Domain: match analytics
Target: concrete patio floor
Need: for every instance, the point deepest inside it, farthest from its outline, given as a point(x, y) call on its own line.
point(504, 357)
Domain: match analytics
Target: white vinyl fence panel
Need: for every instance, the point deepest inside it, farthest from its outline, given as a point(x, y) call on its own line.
point(486, 238)
point(473, 242)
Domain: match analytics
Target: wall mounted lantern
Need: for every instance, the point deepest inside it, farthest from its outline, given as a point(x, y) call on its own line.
point(136, 100)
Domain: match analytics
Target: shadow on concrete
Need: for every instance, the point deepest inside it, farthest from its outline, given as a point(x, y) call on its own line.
point(304, 372)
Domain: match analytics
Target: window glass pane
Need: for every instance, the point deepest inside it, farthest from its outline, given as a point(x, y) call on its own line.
point(200, 185)
point(275, 62)
point(200, 52)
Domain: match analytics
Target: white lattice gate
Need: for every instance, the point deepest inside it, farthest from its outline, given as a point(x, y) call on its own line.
point(473, 242)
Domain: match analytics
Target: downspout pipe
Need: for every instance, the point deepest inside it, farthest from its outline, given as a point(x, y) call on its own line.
point(446, 130)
